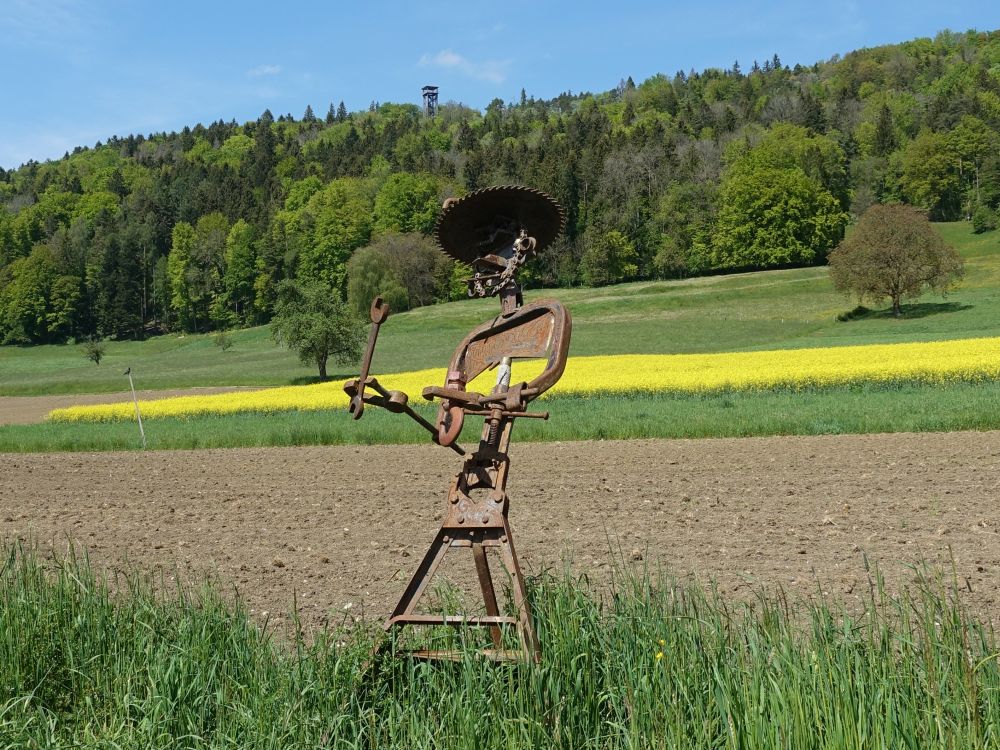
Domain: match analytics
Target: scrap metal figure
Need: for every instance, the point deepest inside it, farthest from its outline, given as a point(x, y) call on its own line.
point(495, 230)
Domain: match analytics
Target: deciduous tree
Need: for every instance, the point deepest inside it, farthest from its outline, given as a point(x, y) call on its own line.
point(312, 319)
point(241, 269)
point(178, 263)
point(930, 176)
point(407, 270)
point(24, 302)
point(407, 203)
point(771, 217)
point(337, 221)
point(894, 252)
point(608, 258)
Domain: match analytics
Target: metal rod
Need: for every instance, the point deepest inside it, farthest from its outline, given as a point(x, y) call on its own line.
point(505, 413)
point(488, 621)
point(432, 429)
point(405, 408)
point(486, 585)
point(378, 313)
point(135, 401)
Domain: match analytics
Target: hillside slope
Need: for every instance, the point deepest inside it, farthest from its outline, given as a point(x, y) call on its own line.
point(193, 231)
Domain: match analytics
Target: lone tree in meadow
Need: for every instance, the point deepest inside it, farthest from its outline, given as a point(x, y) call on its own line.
point(93, 349)
point(314, 321)
point(894, 252)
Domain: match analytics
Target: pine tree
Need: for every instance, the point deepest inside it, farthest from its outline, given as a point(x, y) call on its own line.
point(342, 112)
point(263, 156)
point(812, 113)
point(466, 138)
point(885, 132)
point(628, 113)
point(308, 115)
point(331, 115)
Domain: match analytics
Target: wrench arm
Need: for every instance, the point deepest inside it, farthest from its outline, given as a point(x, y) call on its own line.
point(395, 401)
point(378, 313)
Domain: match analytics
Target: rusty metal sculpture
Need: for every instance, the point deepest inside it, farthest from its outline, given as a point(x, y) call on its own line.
point(495, 230)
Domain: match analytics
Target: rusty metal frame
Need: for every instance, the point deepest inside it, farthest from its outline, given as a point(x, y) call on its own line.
point(476, 518)
point(477, 504)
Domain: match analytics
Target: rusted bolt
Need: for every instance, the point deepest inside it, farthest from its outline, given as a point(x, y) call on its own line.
point(504, 539)
point(454, 499)
point(461, 519)
point(446, 539)
point(485, 518)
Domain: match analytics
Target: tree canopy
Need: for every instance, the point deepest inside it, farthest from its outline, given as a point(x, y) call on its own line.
point(314, 321)
point(681, 174)
point(894, 253)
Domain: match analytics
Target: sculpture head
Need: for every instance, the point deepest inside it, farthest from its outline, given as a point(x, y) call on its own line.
point(496, 230)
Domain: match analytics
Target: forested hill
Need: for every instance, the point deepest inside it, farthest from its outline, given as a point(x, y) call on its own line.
point(754, 166)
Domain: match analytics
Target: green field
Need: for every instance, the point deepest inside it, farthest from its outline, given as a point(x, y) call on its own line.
point(738, 312)
point(902, 408)
point(764, 310)
point(653, 665)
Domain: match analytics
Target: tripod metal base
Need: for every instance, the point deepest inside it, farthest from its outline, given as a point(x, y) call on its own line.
point(476, 518)
point(479, 540)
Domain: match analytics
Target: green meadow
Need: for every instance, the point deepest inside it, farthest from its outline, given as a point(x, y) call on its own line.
point(738, 312)
point(896, 408)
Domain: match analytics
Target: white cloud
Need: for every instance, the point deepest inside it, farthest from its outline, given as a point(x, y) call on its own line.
point(264, 70)
point(494, 71)
point(445, 58)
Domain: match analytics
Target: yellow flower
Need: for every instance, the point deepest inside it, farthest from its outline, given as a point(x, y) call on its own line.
point(969, 360)
point(663, 642)
point(659, 655)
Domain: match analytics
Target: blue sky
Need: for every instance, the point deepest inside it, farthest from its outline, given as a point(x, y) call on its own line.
point(76, 71)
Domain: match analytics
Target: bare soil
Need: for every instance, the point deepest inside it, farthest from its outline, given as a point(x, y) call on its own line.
point(344, 527)
point(34, 409)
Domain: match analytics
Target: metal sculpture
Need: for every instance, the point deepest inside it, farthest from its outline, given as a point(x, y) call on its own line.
point(495, 230)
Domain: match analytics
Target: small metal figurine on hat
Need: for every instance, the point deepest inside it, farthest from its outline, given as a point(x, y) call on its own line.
point(495, 230)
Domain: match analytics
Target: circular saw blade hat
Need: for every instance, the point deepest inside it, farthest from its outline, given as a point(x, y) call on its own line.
point(489, 220)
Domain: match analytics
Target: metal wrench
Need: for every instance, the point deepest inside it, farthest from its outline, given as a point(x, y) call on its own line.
point(378, 313)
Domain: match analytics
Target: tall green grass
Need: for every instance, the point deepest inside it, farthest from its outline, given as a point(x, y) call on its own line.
point(863, 409)
point(81, 666)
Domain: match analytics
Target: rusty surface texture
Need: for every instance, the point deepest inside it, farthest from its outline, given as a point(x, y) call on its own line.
point(541, 329)
point(378, 313)
point(488, 221)
point(495, 230)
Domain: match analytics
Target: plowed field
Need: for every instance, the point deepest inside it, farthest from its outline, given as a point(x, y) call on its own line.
point(344, 527)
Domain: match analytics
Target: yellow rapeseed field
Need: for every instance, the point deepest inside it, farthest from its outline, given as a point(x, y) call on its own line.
point(930, 362)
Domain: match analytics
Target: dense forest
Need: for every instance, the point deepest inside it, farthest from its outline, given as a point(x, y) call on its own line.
point(750, 167)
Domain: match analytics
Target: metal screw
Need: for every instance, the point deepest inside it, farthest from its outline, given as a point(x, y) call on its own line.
point(485, 518)
point(461, 519)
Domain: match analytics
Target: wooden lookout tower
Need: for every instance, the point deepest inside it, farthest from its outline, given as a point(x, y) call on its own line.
point(430, 100)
